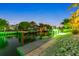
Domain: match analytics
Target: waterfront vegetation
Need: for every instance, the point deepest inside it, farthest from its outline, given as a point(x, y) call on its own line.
point(66, 36)
point(34, 31)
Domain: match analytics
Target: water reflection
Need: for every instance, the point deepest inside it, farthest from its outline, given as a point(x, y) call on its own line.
point(10, 48)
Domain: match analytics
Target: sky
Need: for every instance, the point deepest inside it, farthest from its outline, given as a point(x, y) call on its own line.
point(48, 13)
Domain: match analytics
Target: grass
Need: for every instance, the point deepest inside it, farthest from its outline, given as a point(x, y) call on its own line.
point(65, 45)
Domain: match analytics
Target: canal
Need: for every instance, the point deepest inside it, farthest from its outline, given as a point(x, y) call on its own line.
point(10, 49)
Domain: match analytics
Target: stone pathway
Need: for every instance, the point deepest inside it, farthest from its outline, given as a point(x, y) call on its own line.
point(38, 51)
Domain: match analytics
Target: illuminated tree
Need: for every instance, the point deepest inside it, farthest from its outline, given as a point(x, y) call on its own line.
point(74, 19)
point(74, 5)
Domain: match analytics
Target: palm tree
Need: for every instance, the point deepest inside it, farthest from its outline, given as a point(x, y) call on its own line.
point(76, 5)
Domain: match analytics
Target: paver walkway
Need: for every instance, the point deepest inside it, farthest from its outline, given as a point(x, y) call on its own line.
point(39, 50)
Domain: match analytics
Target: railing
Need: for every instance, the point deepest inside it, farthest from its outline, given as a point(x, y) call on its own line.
point(20, 34)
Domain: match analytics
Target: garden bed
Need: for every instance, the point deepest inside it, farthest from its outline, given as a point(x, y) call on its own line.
point(66, 45)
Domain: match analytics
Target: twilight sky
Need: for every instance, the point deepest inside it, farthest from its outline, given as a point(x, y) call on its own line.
point(52, 13)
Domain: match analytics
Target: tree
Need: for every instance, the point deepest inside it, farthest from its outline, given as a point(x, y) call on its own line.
point(66, 23)
point(33, 25)
point(24, 26)
point(76, 5)
point(74, 19)
point(4, 25)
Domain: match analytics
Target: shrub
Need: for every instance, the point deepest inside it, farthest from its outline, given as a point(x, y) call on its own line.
point(63, 47)
point(75, 31)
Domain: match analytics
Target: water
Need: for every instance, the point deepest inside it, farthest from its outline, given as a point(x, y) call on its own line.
point(10, 49)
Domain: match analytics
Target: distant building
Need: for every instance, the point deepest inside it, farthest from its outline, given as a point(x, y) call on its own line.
point(12, 27)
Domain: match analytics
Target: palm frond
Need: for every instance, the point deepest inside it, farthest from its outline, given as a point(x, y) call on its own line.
point(73, 5)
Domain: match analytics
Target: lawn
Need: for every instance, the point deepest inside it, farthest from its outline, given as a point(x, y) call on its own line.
point(65, 45)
